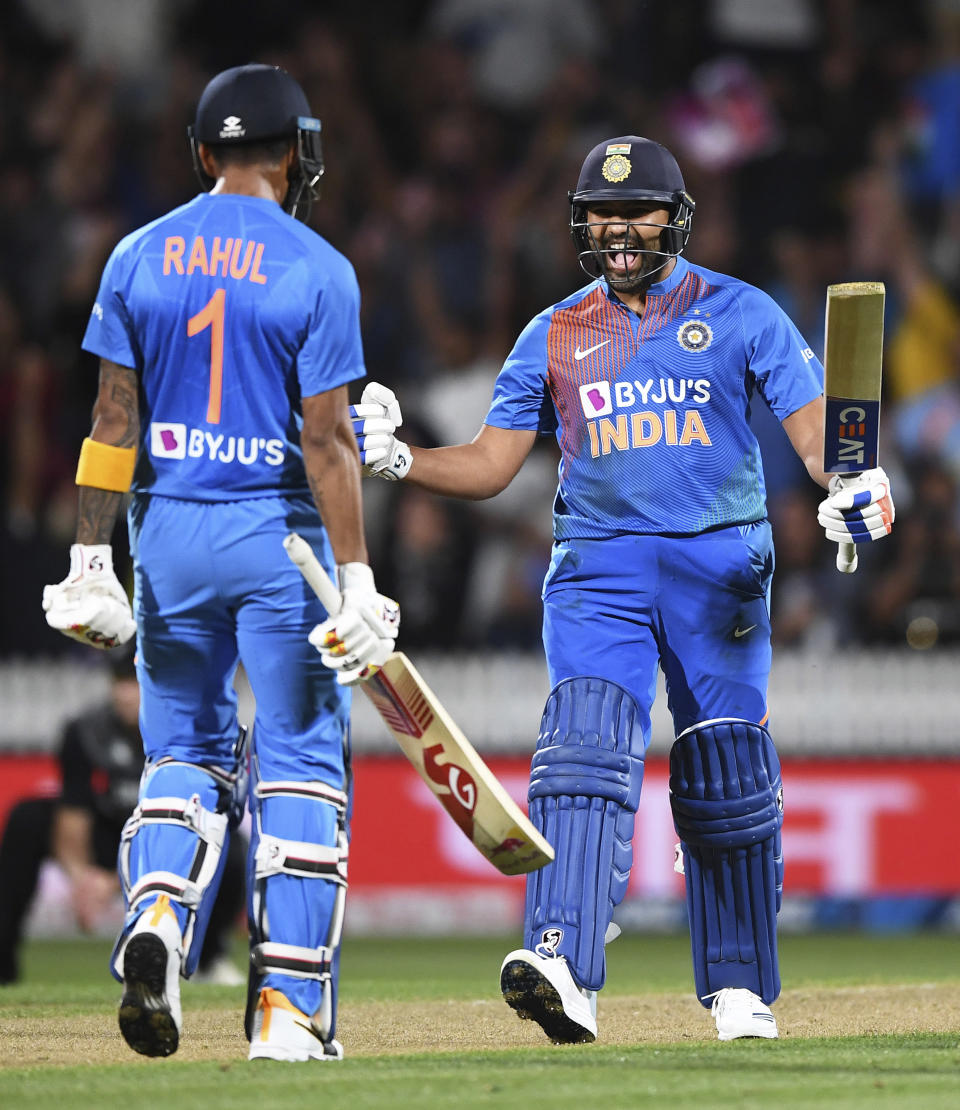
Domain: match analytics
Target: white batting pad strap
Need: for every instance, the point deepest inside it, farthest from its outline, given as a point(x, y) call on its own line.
point(318, 791)
point(174, 886)
point(291, 959)
point(275, 856)
point(188, 812)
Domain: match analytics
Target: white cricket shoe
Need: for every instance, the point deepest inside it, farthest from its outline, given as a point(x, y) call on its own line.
point(542, 990)
point(282, 1032)
point(150, 1017)
point(740, 1013)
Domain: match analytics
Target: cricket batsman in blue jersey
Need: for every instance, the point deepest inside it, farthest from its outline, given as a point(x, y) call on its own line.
point(662, 558)
point(227, 333)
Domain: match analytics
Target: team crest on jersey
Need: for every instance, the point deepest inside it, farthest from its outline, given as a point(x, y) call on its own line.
point(595, 399)
point(616, 168)
point(694, 335)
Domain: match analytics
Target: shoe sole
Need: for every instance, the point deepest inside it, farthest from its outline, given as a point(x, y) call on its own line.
point(534, 998)
point(145, 1019)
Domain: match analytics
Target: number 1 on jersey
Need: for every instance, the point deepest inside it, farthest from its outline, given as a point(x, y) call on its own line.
point(211, 315)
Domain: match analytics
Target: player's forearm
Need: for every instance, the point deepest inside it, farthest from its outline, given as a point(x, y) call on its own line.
point(474, 471)
point(804, 429)
point(116, 423)
point(453, 472)
point(333, 471)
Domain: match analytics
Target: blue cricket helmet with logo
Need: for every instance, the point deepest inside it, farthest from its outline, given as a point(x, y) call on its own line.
point(258, 104)
point(630, 168)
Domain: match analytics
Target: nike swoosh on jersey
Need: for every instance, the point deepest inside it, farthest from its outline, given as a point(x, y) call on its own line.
point(738, 632)
point(578, 354)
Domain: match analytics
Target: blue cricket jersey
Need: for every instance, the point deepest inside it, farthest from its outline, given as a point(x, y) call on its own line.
point(230, 311)
point(651, 413)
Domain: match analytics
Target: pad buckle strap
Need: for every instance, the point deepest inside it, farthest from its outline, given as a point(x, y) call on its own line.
point(188, 812)
point(165, 882)
point(291, 959)
point(276, 856)
point(318, 791)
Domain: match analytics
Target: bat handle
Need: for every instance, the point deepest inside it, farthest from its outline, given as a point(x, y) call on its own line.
point(302, 556)
point(846, 557)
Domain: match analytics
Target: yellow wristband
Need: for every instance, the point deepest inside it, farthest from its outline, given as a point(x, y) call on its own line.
point(106, 467)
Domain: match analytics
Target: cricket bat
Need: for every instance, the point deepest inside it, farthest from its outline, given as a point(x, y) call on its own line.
point(444, 758)
point(853, 362)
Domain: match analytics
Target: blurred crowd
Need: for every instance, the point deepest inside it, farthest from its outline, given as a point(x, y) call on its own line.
point(820, 139)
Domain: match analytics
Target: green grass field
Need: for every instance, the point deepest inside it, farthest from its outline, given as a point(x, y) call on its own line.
point(60, 1044)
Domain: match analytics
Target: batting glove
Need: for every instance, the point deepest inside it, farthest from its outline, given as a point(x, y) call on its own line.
point(360, 638)
point(90, 605)
point(375, 422)
point(859, 508)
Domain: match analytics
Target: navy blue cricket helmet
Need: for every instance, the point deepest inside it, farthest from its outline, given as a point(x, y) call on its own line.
point(259, 103)
point(630, 168)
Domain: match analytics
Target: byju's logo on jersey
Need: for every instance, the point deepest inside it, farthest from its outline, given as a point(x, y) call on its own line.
point(595, 399)
point(695, 335)
point(168, 441)
point(232, 128)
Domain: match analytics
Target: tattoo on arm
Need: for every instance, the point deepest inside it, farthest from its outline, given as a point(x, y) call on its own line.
point(116, 420)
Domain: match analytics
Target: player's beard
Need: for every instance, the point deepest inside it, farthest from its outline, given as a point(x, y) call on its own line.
point(639, 275)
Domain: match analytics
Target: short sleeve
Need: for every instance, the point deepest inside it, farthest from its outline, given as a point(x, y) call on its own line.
point(787, 372)
point(521, 398)
point(110, 332)
point(332, 352)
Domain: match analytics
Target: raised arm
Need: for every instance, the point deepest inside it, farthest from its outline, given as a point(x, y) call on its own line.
point(474, 471)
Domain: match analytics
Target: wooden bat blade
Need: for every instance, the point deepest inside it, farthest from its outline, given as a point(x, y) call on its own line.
point(444, 758)
point(853, 367)
point(853, 372)
point(450, 765)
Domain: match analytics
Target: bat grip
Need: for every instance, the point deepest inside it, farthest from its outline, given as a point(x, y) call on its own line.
point(846, 557)
point(302, 556)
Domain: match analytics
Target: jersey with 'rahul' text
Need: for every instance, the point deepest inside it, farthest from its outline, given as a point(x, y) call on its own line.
point(651, 413)
point(230, 311)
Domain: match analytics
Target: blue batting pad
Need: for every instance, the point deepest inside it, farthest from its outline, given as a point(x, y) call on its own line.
point(727, 802)
point(585, 784)
point(175, 843)
point(296, 884)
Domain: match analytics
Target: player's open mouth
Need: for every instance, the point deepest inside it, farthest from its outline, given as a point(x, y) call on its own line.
point(620, 257)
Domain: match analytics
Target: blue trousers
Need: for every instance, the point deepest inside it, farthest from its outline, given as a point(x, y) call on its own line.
point(696, 606)
point(213, 586)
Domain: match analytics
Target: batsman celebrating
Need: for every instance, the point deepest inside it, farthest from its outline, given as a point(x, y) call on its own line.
point(662, 557)
point(227, 331)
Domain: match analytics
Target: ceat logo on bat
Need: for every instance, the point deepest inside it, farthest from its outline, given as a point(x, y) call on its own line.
point(168, 441)
point(595, 399)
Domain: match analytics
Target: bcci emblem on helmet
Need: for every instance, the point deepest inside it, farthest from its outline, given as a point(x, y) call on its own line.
point(694, 336)
point(616, 168)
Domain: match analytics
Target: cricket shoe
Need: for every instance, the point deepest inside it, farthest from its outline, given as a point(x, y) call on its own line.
point(282, 1032)
point(740, 1013)
point(150, 1017)
point(542, 990)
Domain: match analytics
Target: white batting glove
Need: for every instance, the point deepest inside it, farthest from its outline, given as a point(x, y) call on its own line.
point(90, 605)
point(360, 638)
point(375, 422)
point(859, 508)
